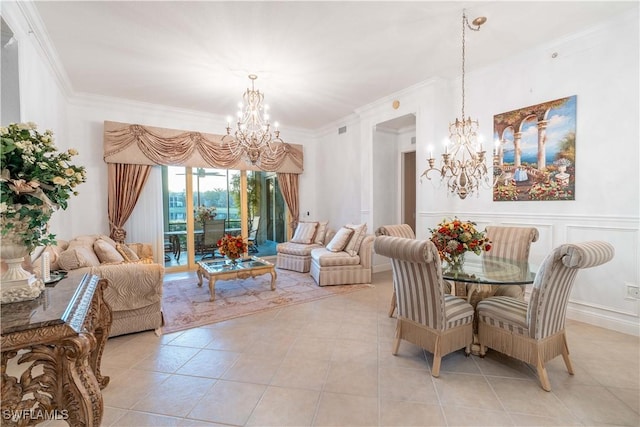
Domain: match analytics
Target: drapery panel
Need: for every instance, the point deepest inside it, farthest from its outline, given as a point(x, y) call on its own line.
point(125, 185)
point(147, 145)
point(288, 183)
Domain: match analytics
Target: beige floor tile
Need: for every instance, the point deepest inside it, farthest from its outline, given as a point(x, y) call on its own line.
point(471, 391)
point(112, 415)
point(527, 397)
point(274, 345)
point(539, 421)
point(126, 351)
point(346, 410)
point(457, 362)
point(305, 373)
point(228, 402)
point(354, 350)
point(458, 416)
point(500, 365)
point(407, 385)
point(359, 331)
point(165, 400)
point(313, 348)
point(285, 407)
point(409, 355)
point(359, 378)
point(209, 363)
point(397, 413)
point(137, 419)
point(327, 329)
point(197, 337)
point(126, 390)
point(234, 338)
point(252, 368)
point(595, 405)
point(167, 359)
point(629, 396)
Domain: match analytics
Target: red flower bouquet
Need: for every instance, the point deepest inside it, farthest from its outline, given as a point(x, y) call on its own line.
point(454, 238)
point(232, 246)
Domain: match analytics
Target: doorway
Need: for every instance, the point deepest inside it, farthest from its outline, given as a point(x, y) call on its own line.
point(409, 189)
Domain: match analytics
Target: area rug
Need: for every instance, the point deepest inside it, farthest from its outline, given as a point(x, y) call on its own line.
point(185, 305)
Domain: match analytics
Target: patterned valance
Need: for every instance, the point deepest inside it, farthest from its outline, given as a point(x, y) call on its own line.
point(147, 145)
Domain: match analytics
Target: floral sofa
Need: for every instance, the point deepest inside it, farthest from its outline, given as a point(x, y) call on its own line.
point(135, 281)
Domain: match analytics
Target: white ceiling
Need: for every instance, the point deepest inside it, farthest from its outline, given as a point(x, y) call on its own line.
point(316, 61)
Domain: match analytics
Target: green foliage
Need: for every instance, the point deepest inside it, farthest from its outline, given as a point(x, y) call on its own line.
point(35, 180)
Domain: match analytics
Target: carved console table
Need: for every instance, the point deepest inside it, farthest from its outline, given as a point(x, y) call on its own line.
point(51, 352)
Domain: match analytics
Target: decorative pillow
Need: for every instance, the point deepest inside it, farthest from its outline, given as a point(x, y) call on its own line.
point(304, 232)
point(127, 253)
point(321, 231)
point(106, 252)
point(78, 257)
point(359, 232)
point(340, 240)
point(108, 239)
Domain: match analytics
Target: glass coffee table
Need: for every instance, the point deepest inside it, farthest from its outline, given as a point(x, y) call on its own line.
point(224, 270)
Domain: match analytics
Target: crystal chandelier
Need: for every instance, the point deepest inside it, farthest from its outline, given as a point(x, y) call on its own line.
point(252, 135)
point(463, 168)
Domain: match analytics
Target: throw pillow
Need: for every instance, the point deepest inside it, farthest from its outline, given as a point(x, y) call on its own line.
point(359, 232)
point(340, 240)
point(127, 253)
point(304, 232)
point(106, 252)
point(78, 257)
point(321, 233)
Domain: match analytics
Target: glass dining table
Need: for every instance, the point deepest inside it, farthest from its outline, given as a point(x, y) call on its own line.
point(482, 271)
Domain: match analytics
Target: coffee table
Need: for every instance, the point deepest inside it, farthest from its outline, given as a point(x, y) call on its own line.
point(224, 270)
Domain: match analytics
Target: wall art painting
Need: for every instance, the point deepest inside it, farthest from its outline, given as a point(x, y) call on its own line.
point(535, 152)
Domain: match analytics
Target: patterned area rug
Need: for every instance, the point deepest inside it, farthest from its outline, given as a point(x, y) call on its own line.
point(186, 305)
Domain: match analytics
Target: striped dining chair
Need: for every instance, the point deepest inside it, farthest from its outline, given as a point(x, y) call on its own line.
point(511, 243)
point(535, 332)
point(427, 317)
point(396, 230)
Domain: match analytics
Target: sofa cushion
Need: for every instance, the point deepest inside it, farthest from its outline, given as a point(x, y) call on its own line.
point(321, 232)
point(326, 258)
point(77, 257)
point(127, 253)
point(359, 232)
point(296, 248)
point(340, 240)
point(106, 252)
point(305, 231)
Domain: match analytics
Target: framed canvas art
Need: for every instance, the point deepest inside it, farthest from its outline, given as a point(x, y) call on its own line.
point(535, 152)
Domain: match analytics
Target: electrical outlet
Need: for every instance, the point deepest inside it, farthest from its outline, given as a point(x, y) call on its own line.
point(633, 291)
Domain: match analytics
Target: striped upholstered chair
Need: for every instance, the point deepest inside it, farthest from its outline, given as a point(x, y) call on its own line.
point(396, 230)
point(534, 332)
point(511, 243)
point(427, 316)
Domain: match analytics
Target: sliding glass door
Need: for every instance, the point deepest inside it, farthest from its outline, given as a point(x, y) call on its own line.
point(196, 198)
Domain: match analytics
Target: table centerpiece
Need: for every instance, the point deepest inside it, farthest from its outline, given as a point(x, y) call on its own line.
point(454, 238)
point(232, 247)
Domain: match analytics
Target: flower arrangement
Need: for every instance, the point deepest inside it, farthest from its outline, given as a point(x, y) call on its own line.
point(203, 213)
point(35, 179)
point(454, 237)
point(232, 246)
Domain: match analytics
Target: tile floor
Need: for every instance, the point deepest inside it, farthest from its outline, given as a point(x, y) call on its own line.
point(329, 363)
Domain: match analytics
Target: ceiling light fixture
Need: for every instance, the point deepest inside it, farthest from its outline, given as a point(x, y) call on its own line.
point(463, 168)
point(252, 134)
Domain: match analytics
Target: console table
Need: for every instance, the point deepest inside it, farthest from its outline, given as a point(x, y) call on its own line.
point(54, 344)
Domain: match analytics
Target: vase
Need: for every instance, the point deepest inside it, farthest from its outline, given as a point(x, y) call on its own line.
point(456, 261)
point(233, 260)
point(17, 284)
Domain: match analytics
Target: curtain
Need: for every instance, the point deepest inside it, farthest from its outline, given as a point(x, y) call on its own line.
point(126, 182)
point(288, 183)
